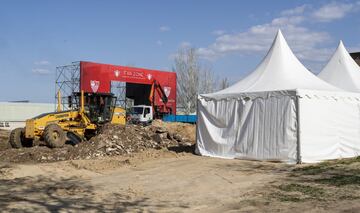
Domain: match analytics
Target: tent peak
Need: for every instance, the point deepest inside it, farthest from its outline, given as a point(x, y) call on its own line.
point(341, 70)
point(342, 46)
point(279, 37)
point(341, 52)
point(280, 69)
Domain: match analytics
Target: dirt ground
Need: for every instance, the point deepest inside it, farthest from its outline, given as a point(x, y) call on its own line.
point(163, 181)
point(176, 180)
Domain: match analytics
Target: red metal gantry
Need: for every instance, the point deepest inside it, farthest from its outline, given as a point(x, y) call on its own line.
point(105, 78)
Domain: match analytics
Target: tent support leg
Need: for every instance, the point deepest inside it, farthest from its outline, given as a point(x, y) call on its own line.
point(298, 147)
point(197, 151)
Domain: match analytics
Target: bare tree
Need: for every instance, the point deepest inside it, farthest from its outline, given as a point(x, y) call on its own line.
point(192, 78)
point(207, 82)
point(224, 84)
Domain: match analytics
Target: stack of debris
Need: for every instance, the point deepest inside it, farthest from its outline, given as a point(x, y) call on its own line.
point(112, 140)
point(119, 140)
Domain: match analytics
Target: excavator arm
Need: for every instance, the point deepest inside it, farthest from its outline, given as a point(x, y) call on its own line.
point(156, 87)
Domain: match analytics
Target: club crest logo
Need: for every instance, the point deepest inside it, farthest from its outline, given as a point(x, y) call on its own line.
point(167, 91)
point(117, 73)
point(94, 85)
point(149, 76)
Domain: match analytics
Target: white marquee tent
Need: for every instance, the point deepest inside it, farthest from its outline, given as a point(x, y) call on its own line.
point(342, 71)
point(280, 111)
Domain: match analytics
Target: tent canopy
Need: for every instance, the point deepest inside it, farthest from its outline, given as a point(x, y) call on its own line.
point(342, 71)
point(279, 70)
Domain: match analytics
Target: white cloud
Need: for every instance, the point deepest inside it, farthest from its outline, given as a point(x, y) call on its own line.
point(309, 44)
point(257, 39)
point(287, 20)
point(305, 42)
point(295, 11)
point(218, 32)
point(44, 62)
point(185, 44)
point(333, 11)
point(164, 29)
point(41, 71)
point(158, 42)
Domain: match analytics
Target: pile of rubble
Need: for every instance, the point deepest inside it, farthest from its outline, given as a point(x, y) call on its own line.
point(120, 140)
point(4, 137)
point(112, 140)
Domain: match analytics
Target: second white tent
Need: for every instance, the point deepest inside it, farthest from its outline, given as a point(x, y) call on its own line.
point(342, 71)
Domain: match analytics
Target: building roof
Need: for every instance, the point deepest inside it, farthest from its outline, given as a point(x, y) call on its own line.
point(355, 55)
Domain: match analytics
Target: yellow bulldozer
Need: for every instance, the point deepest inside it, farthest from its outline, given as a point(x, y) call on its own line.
point(88, 113)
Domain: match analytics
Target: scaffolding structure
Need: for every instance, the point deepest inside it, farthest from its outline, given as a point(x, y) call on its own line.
point(118, 88)
point(67, 82)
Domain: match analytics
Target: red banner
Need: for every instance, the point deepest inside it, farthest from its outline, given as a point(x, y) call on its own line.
point(95, 77)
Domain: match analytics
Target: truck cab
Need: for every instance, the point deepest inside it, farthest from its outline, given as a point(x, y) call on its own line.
point(141, 114)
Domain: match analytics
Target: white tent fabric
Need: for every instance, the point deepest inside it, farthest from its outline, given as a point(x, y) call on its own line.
point(279, 70)
point(342, 71)
point(281, 111)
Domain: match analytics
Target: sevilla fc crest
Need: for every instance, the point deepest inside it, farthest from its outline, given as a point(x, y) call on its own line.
point(167, 91)
point(117, 73)
point(149, 76)
point(94, 85)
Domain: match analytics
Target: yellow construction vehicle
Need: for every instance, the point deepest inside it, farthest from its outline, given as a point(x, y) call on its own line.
point(89, 112)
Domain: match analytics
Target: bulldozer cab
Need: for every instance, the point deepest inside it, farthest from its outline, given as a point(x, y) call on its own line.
point(98, 107)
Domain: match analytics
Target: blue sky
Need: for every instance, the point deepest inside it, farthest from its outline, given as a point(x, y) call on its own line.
point(230, 36)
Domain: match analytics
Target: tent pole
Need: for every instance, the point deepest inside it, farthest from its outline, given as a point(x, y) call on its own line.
point(197, 126)
point(298, 148)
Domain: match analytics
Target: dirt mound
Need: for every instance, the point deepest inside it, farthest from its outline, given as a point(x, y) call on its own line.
point(185, 130)
point(4, 138)
point(115, 139)
point(111, 141)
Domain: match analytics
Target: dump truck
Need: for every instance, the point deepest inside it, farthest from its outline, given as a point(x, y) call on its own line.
point(89, 112)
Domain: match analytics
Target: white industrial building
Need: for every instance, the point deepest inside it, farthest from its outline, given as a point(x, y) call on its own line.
point(14, 114)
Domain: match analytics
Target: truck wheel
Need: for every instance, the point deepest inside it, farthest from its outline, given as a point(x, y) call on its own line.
point(54, 136)
point(15, 139)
